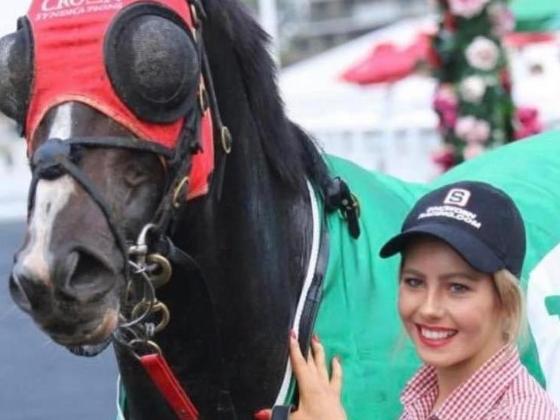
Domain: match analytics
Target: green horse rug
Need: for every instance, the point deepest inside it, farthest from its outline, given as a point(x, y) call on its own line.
point(357, 317)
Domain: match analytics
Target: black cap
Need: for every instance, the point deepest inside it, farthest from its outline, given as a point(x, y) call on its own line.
point(479, 221)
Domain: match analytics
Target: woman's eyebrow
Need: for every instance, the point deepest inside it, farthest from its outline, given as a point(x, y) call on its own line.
point(412, 271)
point(462, 274)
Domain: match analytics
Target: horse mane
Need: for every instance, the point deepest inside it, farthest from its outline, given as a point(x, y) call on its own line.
point(291, 152)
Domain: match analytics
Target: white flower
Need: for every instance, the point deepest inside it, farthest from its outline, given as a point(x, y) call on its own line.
point(467, 8)
point(482, 53)
point(472, 89)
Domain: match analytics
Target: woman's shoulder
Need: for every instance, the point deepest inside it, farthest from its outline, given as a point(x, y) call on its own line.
point(524, 399)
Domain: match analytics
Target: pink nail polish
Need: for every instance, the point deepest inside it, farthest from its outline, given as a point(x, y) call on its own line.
point(262, 415)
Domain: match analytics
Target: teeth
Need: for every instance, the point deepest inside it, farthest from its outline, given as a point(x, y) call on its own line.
point(436, 335)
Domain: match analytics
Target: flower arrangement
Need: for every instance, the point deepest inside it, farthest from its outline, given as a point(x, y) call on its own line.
point(473, 97)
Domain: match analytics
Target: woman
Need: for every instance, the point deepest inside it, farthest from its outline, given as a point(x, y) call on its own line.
point(460, 302)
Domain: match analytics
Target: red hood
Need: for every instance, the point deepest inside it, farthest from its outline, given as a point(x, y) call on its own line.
point(69, 65)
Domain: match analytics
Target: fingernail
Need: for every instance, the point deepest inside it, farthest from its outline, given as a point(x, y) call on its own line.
point(293, 334)
point(315, 338)
point(261, 415)
point(337, 359)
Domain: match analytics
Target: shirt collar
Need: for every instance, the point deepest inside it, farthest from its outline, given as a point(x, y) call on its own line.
point(476, 396)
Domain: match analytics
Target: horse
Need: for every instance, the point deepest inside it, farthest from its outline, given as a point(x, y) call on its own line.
point(176, 212)
point(249, 233)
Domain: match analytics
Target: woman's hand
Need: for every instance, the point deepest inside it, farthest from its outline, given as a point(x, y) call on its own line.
point(319, 395)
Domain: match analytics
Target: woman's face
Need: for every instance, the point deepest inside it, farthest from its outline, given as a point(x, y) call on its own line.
point(450, 310)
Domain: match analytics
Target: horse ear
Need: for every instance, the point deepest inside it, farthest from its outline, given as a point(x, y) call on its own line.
point(15, 74)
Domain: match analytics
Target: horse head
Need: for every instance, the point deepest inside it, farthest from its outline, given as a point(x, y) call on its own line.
point(101, 157)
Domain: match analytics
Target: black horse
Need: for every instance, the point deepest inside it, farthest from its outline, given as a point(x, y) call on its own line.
point(244, 246)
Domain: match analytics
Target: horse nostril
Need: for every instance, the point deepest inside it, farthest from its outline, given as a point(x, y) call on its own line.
point(86, 277)
point(26, 292)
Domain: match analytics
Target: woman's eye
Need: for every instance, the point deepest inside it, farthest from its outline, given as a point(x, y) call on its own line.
point(458, 288)
point(412, 282)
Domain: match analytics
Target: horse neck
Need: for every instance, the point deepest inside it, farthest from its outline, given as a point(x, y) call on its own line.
point(252, 243)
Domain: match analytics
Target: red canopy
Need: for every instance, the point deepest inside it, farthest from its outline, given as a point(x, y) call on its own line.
point(521, 39)
point(388, 63)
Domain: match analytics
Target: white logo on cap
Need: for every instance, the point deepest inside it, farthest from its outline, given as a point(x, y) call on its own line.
point(457, 197)
point(452, 207)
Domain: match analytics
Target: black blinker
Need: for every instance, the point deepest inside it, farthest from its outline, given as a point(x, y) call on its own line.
point(47, 160)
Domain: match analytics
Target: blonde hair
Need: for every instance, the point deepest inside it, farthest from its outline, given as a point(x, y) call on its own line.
point(510, 296)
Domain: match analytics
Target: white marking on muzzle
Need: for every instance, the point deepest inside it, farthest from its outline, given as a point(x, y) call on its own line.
point(50, 198)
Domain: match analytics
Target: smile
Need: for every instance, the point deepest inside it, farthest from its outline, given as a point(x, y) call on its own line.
point(435, 336)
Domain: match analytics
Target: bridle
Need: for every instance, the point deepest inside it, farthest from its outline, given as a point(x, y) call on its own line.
point(148, 260)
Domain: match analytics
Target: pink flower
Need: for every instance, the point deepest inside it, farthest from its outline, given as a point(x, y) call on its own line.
point(502, 18)
point(472, 130)
point(467, 8)
point(482, 53)
point(448, 119)
point(473, 150)
point(444, 158)
point(445, 104)
point(529, 122)
point(445, 95)
point(527, 114)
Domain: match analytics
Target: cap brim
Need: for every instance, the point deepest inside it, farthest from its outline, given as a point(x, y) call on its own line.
point(472, 249)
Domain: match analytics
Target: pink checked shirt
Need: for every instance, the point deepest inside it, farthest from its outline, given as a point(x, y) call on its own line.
point(501, 389)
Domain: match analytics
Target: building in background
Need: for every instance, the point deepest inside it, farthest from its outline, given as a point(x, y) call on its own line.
point(307, 27)
point(312, 26)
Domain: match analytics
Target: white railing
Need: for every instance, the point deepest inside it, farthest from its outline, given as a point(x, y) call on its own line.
point(404, 152)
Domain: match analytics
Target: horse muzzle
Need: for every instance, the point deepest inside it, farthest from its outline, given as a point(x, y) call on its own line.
point(75, 301)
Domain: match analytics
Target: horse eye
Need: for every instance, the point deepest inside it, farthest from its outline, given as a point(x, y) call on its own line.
point(16, 72)
point(152, 63)
point(135, 175)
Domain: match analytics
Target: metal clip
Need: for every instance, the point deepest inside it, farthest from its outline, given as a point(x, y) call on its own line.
point(140, 249)
point(140, 348)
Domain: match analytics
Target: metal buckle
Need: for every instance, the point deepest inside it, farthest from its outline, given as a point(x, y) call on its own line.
point(179, 191)
point(163, 271)
point(226, 140)
point(350, 205)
